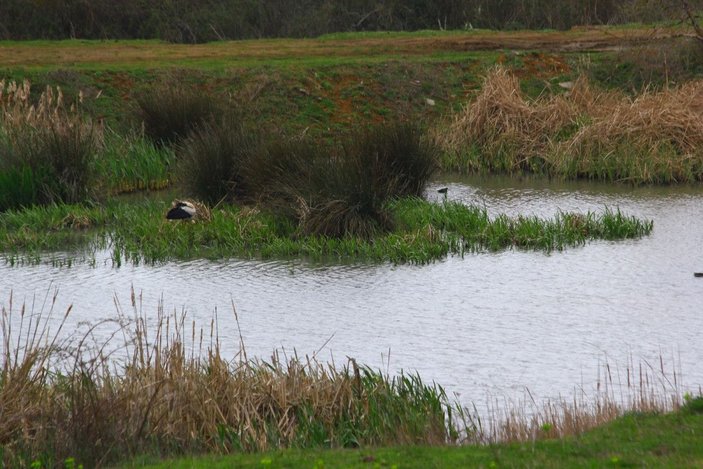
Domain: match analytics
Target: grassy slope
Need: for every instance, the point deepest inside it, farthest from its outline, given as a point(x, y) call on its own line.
point(671, 440)
point(314, 84)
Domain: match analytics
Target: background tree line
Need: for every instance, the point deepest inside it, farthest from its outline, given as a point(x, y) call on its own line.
point(190, 21)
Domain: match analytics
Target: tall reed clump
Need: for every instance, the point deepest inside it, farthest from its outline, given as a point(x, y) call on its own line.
point(343, 190)
point(47, 149)
point(171, 110)
point(170, 391)
point(657, 137)
point(332, 190)
point(212, 157)
point(584, 133)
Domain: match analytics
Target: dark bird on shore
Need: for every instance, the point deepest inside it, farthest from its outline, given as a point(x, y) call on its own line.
point(181, 211)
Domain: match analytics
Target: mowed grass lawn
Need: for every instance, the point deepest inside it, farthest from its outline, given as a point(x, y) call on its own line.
point(636, 440)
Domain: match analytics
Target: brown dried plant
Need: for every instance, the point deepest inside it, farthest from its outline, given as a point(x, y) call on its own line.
point(654, 137)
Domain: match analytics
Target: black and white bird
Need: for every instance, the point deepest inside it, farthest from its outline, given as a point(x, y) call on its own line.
point(181, 211)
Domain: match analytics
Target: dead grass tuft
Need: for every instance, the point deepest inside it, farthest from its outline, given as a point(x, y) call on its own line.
point(654, 137)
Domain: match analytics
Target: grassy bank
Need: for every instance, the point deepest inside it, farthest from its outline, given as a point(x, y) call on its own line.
point(157, 385)
point(118, 126)
point(634, 440)
point(138, 232)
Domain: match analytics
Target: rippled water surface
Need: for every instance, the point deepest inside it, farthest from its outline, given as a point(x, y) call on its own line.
point(487, 324)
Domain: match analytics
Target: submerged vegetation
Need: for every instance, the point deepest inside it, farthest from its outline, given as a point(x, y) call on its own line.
point(158, 386)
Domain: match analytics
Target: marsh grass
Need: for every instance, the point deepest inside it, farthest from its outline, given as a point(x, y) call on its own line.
point(131, 163)
point(213, 156)
point(424, 232)
point(654, 137)
point(342, 189)
point(159, 385)
point(166, 389)
point(47, 148)
point(469, 228)
point(642, 387)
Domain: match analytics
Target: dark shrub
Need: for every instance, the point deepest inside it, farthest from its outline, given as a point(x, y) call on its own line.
point(392, 159)
point(343, 192)
point(328, 191)
point(284, 171)
point(211, 160)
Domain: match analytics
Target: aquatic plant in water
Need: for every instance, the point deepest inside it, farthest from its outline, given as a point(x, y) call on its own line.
point(423, 232)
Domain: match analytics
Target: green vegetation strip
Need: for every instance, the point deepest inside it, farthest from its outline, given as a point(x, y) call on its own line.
point(635, 440)
point(138, 232)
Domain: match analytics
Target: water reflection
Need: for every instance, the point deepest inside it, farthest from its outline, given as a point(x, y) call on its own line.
point(485, 323)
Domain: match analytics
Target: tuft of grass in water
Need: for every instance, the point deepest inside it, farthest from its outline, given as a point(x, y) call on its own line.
point(167, 389)
point(138, 232)
point(469, 228)
point(342, 190)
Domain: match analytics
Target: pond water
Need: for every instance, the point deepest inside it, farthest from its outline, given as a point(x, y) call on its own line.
point(485, 326)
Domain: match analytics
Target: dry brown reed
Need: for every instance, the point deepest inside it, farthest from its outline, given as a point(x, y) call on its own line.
point(641, 387)
point(669, 122)
point(501, 117)
point(50, 109)
point(654, 137)
point(47, 147)
point(169, 390)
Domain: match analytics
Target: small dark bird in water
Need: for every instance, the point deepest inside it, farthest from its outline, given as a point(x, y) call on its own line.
point(698, 274)
point(443, 190)
point(181, 211)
